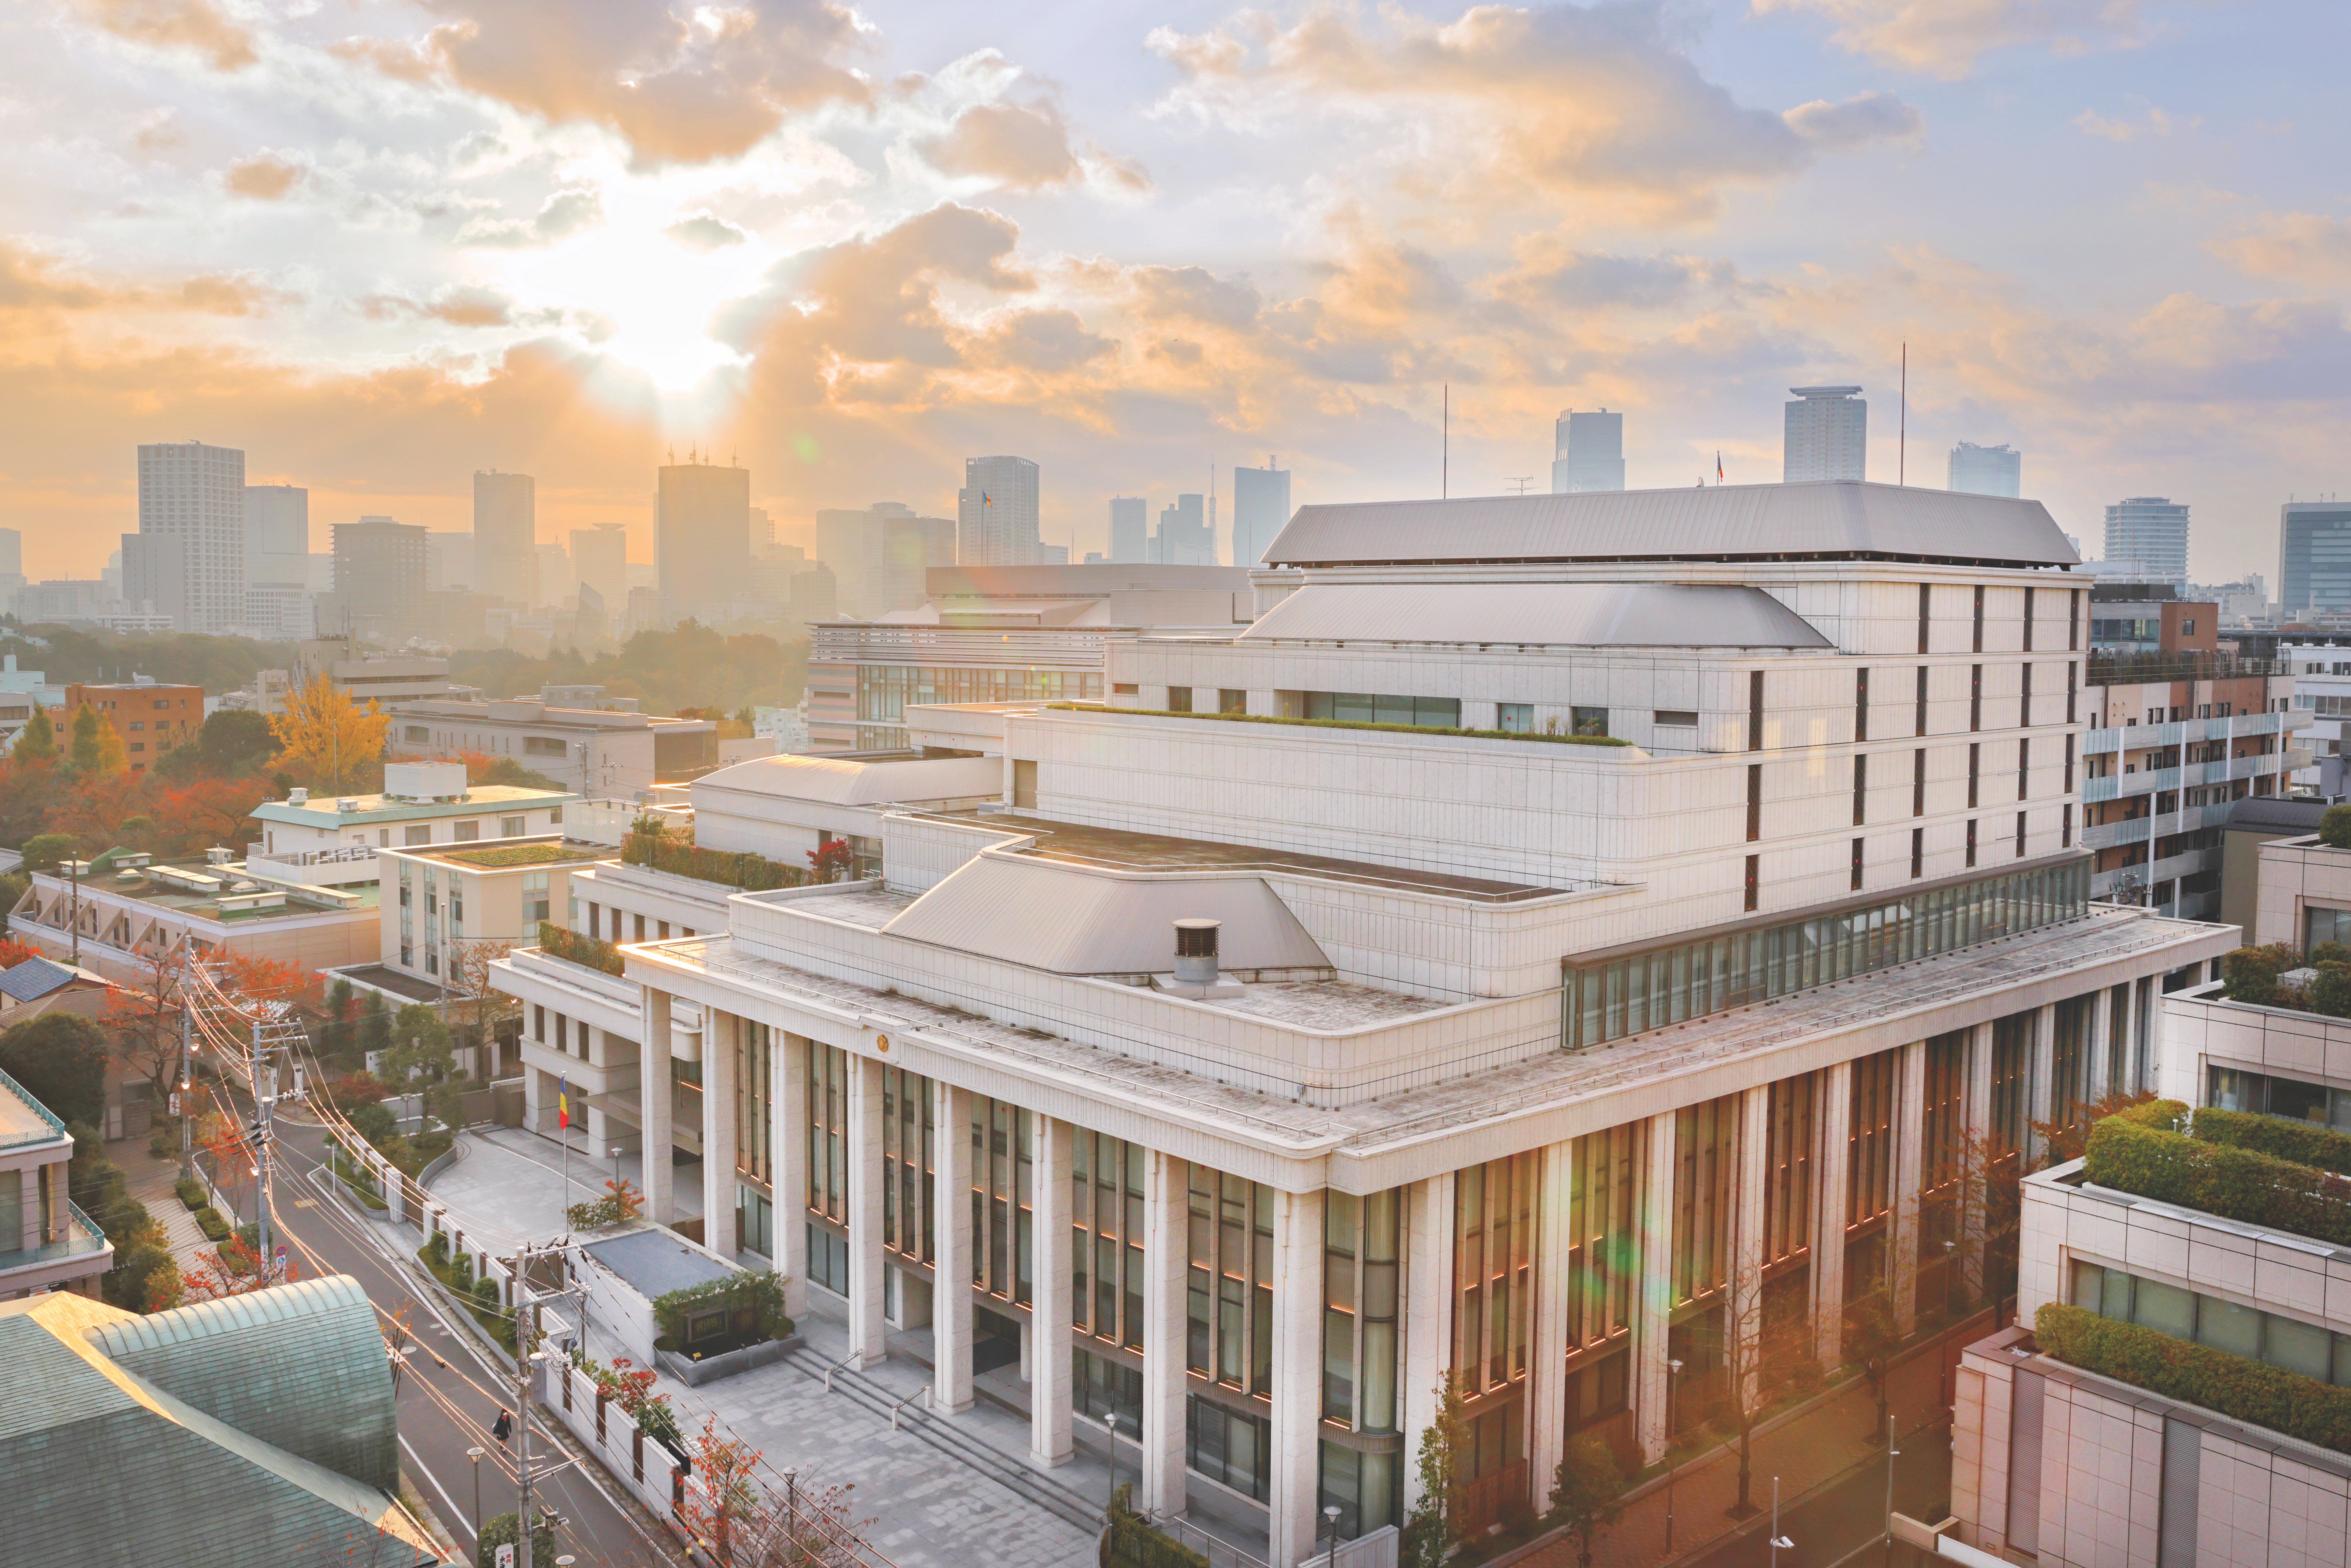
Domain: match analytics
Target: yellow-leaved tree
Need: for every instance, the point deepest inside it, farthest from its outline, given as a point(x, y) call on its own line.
point(329, 739)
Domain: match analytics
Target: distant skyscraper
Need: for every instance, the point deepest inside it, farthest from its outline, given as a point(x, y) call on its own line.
point(1587, 452)
point(1827, 436)
point(12, 563)
point(881, 555)
point(1260, 508)
point(2153, 531)
point(2315, 557)
point(155, 579)
point(1185, 538)
point(996, 512)
point(506, 537)
point(277, 534)
point(557, 582)
point(601, 556)
point(194, 495)
point(1987, 470)
point(1130, 528)
point(448, 560)
point(704, 543)
point(379, 573)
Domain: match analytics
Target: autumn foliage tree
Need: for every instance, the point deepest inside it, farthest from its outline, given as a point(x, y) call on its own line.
point(329, 740)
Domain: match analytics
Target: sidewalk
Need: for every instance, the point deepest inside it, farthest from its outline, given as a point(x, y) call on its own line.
point(1819, 1445)
point(151, 1182)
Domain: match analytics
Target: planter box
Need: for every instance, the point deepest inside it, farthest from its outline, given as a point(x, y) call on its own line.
point(711, 1368)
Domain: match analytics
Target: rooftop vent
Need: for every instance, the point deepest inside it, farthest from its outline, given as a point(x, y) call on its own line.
point(1196, 952)
point(349, 803)
point(297, 796)
point(217, 856)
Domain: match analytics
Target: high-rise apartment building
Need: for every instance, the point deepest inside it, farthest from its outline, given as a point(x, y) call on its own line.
point(194, 496)
point(601, 557)
point(448, 560)
point(1587, 452)
point(1261, 506)
point(1185, 537)
point(277, 534)
point(1827, 436)
point(153, 581)
point(878, 555)
point(1130, 528)
point(1987, 470)
point(2151, 531)
point(996, 512)
point(380, 569)
point(506, 536)
point(2314, 558)
point(12, 564)
point(557, 582)
point(703, 540)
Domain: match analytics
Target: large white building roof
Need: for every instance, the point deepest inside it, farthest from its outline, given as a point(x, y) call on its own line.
point(1582, 614)
point(844, 781)
point(1842, 518)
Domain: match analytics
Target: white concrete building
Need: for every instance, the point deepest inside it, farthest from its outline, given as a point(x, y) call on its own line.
point(47, 1242)
point(331, 841)
point(1528, 988)
point(596, 752)
point(1826, 436)
point(2322, 689)
point(191, 498)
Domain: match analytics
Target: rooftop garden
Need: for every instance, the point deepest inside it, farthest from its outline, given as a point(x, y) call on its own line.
point(2279, 975)
point(1559, 738)
point(650, 843)
point(2294, 1177)
point(506, 856)
point(579, 948)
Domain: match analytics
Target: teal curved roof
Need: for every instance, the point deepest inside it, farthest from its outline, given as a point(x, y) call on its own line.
point(301, 1367)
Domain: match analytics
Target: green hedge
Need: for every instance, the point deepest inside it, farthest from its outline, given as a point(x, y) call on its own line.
point(752, 874)
point(209, 1221)
point(192, 1195)
point(2244, 1390)
point(2214, 1179)
point(759, 1292)
point(2304, 1143)
point(1353, 723)
point(578, 947)
point(1132, 1544)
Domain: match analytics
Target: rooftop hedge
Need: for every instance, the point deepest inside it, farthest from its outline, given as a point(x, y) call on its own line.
point(2304, 1143)
point(517, 854)
point(2250, 1391)
point(2134, 1154)
point(752, 874)
point(581, 948)
point(1350, 723)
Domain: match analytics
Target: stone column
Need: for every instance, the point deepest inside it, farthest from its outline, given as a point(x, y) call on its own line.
point(2099, 1078)
point(720, 1033)
point(867, 1335)
point(2040, 1078)
point(1166, 1258)
point(951, 1270)
point(1910, 1170)
point(1831, 1173)
point(1049, 1442)
point(1547, 1378)
point(1649, 1321)
point(1292, 1511)
point(1976, 1115)
point(1428, 1313)
point(788, 1112)
point(654, 1096)
point(1746, 1320)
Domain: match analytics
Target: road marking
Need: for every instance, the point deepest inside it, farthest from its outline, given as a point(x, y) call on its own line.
point(455, 1517)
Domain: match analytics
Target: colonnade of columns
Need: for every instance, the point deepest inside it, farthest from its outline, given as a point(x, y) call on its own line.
point(1426, 1220)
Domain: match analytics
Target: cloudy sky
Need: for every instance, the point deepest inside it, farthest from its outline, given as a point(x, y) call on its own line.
point(379, 245)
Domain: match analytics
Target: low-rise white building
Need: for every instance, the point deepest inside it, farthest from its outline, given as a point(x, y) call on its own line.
point(595, 751)
point(46, 1242)
point(332, 841)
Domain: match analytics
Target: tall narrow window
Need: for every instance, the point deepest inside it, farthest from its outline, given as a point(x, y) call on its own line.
point(2074, 622)
point(1975, 697)
point(1860, 789)
point(1971, 841)
point(1861, 704)
point(1754, 710)
point(2024, 701)
point(1754, 802)
point(2020, 835)
point(1975, 774)
point(2028, 621)
point(2024, 769)
point(1918, 782)
point(1978, 644)
point(1917, 851)
point(1926, 602)
point(2066, 828)
point(2072, 671)
point(1921, 723)
point(1856, 865)
point(2069, 765)
point(1754, 864)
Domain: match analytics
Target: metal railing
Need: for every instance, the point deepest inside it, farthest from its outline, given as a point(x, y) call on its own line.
point(1220, 1552)
point(81, 1238)
point(51, 1128)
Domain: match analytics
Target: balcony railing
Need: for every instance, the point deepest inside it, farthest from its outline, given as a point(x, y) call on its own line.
point(48, 1132)
point(82, 1237)
point(2112, 669)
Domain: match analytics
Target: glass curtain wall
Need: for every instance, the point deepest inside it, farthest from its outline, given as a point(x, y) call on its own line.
point(1493, 1255)
point(1229, 1337)
point(1869, 1173)
point(1705, 1143)
point(1602, 1275)
point(909, 1220)
point(1601, 1002)
point(755, 1212)
point(1790, 1140)
point(1360, 1243)
point(1106, 1276)
point(1002, 1199)
point(1942, 1167)
point(827, 1210)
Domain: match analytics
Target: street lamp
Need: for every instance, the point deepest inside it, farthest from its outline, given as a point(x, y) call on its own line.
point(616, 1168)
point(1779, 1542)
point(1673, 1370)
point(475, 1455)
point(1110, 1425)
point(1892, 1454)
point(1331, 1514)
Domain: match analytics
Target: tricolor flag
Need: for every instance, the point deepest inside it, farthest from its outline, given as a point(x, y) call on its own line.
point(985, 499)
point(1717, 466)
point(563, 1103)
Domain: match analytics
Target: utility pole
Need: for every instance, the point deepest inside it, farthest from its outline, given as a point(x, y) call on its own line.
point(74, 869)
point(524, 1351)
point(185, 1109)
point(265, 1099)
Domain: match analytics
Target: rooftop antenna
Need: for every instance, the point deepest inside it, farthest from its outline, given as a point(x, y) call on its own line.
point(1902, 430)
point(1522, 482)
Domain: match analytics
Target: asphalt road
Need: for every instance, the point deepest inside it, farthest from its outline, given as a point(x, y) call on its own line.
point(441, 1414)
point(1843, 1516)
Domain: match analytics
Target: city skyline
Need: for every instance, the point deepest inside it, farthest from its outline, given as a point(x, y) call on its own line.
point(524, 272)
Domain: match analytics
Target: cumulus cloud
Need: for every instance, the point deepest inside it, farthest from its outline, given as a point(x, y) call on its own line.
point(1567, 101)
point(985, 120)
point(196, 26)
point(678, 82)
point(265, 176)
point(1591, 280)
point(2090, 123)
point(702, 232)
point(562, 215)
point(1946, 37)
point(1857, 121)
point(1017, 145)
point(2307, 248)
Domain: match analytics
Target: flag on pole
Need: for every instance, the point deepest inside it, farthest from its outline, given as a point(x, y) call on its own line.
point(985, 499)
point(563, 1103)
point(1717, 466)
